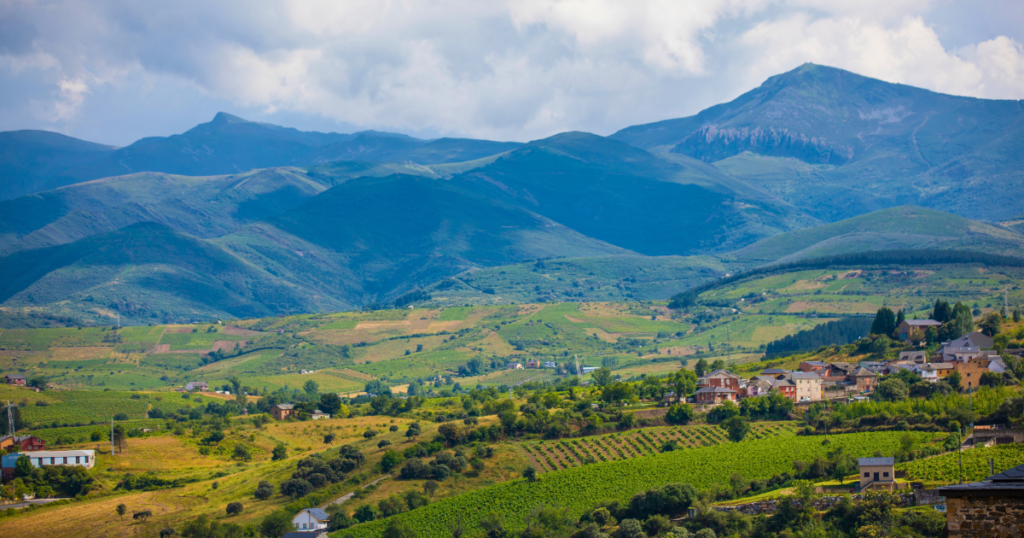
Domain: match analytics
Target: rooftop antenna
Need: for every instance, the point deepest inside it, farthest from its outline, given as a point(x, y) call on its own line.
point(579, 373)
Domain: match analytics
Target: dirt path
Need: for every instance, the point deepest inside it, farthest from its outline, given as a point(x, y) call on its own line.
point(349, 495)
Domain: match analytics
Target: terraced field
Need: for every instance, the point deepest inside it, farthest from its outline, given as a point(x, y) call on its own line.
point(566, 453)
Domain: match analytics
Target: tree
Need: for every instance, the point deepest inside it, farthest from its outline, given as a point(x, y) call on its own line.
point(681, 413)
point(330, 403)
point(120, 437)
point(430, 487)
point(398, 529)
point(891, 390)
point(1016, 315)
point(234, 508)
point(275, 524)
point(700, 368)
point(900, 317)
point(630, 528)
point(530, 473)
point(264, 490)
point(236, 386)
point(955, 380)
point(312, 388)
point(329, 438)
point(602, 376)
point(241, 452)
point(142, 515)
point(992, 324)
point(885, 322)
point(280, 452)
point(737, 428)
point(413, 431)
point(122, 509)
point(942, 311)
point(23, 467)
point(991, 379)
point(365, 513)
point(296, 487)
point(719, 364)
point(167, 532)
point(391, 459)
point(370, 433)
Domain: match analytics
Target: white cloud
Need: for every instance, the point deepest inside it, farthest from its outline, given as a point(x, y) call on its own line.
point(517, 70)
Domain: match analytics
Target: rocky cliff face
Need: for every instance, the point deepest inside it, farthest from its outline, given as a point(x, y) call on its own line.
point(710, 144)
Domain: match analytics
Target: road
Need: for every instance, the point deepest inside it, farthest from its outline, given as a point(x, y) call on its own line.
point(349, 495)
point(28, 503)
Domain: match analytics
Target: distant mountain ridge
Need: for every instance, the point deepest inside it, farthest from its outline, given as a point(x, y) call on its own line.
point(226, 145)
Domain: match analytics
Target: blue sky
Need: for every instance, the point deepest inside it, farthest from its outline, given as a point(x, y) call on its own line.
point(115, 71)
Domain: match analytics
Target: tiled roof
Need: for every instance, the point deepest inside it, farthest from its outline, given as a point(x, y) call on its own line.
point(864, 372)
point(875, 461)
point(923, 322)
point(285, 407)
point(721, 390)
point(319, 514)
point(1010, 480)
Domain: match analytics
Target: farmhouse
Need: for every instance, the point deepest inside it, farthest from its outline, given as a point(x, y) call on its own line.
point(786, 387)
point(550, 364)
point(877, 473)
point(197, 385)
point(25, 443)
point(15, 379)
point(992, 507)
point(318, 414)
point(714, 395)
point(515, 366)
point(533, 365)
point(915, 329)
point(46, 458)
point(311, 519)
point(837, 371)
point(756, 387)
point(282, 411)
point(873, 366)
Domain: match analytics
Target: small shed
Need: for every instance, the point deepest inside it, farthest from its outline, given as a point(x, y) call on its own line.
point(877, 472)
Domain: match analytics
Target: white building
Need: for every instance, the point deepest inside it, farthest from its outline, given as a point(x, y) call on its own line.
point(46, 458)
point(515, 366)
point(197, 385)
point(318, 414)
point(311, 519)
point(550, 364)
point(808, 386)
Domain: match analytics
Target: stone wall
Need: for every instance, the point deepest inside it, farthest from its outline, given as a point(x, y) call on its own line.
point(989, 517)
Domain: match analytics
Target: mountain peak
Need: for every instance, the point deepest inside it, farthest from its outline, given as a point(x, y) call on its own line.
point(223, 117)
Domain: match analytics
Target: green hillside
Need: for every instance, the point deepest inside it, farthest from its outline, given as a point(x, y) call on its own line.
point(872, 144)
point(898, 228)
point(34, 161)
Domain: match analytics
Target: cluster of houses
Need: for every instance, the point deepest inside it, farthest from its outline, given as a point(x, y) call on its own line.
point(17, 380)
point(14, 447)
point(284, 410)
point(533, 365)
point(970, 355)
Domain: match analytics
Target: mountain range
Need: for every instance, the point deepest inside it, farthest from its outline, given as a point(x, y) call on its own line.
point(255, 219)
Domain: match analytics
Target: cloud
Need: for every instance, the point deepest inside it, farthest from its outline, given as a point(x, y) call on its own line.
point(517, 70)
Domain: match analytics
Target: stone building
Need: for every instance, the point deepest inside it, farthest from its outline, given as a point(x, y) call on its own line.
point(992, 508)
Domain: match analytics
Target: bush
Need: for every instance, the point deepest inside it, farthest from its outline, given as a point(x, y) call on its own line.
point(680, 414)
point(264, 490)
point(233, 509)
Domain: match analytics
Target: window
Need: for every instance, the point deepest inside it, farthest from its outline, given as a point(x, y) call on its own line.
point(886, 474)
point(867, 475)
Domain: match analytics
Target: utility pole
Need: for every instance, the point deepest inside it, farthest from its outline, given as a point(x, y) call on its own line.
point(579, 373)
point(728, 346)
point(1006, 302)
point(10, 420)
point(111, 436)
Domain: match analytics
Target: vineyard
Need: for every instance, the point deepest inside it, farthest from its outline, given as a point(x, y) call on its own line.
point(579, 488)
point(67, 408)
point(566, 453)
point(945, 469)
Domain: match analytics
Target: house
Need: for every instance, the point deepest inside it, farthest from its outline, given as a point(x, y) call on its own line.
point(7, 463)
point(997, 364)
point(311, 519)
point(808, 386)
point(965, 348)
point(812, 366)
point(877, 473)
point(533, 365)
point(916, 357)
point(756, 387)
point(282, 411)
point(837, 371)
point(772, 372)
point(515, 366)
point(970, 372)
point(915, 329)
point(589, 369)
point(197, 385)
point(25, 443)
point(933, 371)
point(550, 364)
point(46, 458)
point(895, 366)
point(669, 398)
point(865, 380)
point(15, 379)
point(308, 534)
point(786, 387)
point(873, 366)
point(307, 371)
point(992, 507)
point(714, 395)
point(720, 378)
point(318, 414)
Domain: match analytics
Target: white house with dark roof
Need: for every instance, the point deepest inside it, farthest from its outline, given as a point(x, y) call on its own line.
point(311, 519)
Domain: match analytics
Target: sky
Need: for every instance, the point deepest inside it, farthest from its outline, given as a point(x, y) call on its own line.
point(114, 71)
